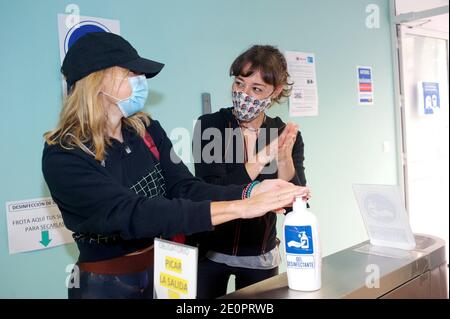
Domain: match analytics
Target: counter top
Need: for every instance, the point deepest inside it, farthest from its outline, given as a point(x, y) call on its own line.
point(344, 273)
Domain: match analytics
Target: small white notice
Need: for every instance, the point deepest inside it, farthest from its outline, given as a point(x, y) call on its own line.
point(35, 224)
point(303, 100)
point(384, 216)
point(175, 270)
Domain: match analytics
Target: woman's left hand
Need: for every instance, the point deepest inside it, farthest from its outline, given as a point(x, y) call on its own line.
point(286, 143)
point(285, 163)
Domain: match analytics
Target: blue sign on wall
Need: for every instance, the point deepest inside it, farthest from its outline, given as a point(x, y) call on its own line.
point(365, 85)
point(81, 29)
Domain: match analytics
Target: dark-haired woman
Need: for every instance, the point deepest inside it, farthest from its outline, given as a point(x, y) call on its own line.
point(254, 147)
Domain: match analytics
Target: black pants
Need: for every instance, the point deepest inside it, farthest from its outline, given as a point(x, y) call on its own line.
point(213, 278)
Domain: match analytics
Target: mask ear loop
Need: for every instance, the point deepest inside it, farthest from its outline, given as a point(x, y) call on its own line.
point(127, 76)
point(113, 97)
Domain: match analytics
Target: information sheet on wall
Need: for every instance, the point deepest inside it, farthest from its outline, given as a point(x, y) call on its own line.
point(302, 70)
point(35, 224)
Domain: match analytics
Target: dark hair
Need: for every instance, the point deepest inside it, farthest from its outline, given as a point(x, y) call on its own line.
point(270, 62)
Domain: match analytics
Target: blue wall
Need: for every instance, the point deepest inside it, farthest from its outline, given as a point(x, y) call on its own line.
point(198, 40)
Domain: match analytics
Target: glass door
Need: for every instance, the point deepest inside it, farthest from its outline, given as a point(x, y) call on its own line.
point(425, 129)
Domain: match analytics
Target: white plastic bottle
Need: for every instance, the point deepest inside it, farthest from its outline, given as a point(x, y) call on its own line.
point(302, 248)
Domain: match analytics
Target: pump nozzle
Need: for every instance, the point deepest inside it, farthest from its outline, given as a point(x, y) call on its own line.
point(299, 204)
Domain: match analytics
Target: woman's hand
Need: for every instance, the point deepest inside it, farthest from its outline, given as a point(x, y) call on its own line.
point(279, 149)
point(273, 200)
point(286, 143)
point(285, 163)
point(269, 185)
point(273, 185)
point(270, 195)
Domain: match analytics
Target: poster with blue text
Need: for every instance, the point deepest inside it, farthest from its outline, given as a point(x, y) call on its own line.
point(365, 85)
point(429, 98)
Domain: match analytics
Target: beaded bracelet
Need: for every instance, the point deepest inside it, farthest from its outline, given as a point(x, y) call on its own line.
point(244, 191)
point(248, 189)
point(252, 185)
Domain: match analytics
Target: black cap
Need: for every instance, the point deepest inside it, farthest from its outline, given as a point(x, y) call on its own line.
point(96, 51)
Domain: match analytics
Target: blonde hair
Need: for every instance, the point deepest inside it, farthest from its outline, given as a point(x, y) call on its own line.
point(83, 118)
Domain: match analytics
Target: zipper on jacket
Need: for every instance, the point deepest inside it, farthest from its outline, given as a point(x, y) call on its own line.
point(265, 237)
point(227, 144)
point(236, 238)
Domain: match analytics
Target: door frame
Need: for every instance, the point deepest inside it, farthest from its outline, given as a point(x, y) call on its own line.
point(398, 32)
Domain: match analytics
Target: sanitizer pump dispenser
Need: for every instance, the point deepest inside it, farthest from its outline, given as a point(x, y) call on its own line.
point(302, 248)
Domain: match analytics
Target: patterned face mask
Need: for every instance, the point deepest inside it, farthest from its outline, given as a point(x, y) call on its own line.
point(246, 107)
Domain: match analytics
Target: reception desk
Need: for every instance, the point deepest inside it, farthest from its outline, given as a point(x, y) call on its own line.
point(366, 271)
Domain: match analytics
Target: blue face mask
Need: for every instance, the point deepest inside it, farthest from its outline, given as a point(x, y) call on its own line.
point(135, 102)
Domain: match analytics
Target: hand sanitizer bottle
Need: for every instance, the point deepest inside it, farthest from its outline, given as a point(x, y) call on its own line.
point(302, 248)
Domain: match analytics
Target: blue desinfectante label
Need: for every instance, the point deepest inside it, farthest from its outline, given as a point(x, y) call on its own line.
point(298, 240)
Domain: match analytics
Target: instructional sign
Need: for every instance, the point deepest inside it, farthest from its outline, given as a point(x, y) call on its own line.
point(303, 100)
point(35, 224)
point(71, 27)
point(384, 215)
point(365, 85)
point(175, 272)
point(429, 98)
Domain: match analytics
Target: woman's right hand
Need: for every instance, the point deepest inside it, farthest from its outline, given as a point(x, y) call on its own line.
point(272, 200)
point(269, 185)
point(270, 195)
point(280, 149)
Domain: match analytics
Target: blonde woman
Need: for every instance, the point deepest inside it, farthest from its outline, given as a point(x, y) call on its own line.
point(108, 167)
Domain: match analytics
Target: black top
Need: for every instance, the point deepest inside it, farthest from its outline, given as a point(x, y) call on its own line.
point(132, 198)
point(249, 237)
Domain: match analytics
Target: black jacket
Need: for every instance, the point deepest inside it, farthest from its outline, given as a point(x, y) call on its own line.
point(251, 237)
point(134, 196)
